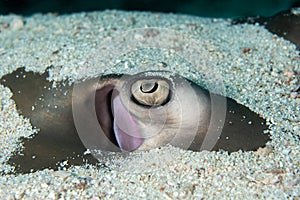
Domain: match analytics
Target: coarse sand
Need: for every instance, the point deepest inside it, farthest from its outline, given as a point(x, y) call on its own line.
point(257, 68)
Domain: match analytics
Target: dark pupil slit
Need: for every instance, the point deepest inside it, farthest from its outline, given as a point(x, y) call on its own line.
point(149, 87)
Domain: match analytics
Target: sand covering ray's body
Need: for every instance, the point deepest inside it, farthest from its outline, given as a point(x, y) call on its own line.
point(50, 110)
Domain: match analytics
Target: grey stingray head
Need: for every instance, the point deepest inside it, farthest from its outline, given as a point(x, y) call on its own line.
point(125, 113)
point(141, 112)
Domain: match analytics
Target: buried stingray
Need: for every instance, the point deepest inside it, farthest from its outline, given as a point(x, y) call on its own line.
point(125, 113)
point(285, 24)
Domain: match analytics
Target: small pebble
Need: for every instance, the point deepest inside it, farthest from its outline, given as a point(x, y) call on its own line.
point(294, 95)
point(286, 151)
point(265, 151)
point(16, 24)
point(61, 174)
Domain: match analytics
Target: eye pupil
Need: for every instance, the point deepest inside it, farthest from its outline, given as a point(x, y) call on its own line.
point(149, 87)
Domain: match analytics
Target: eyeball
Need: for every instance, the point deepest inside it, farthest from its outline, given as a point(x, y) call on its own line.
point(151, 92)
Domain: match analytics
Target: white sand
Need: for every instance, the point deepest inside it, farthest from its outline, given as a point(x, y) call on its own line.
point(69, 43)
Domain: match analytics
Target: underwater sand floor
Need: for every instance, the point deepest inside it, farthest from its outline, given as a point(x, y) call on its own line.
point(258, 70)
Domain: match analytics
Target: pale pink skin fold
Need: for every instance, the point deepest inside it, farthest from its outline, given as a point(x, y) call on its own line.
point(125, 126)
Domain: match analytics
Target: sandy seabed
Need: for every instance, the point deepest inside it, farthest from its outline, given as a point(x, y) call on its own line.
point(258, 69)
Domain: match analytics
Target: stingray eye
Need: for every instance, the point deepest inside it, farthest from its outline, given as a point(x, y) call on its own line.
point(151, 92)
